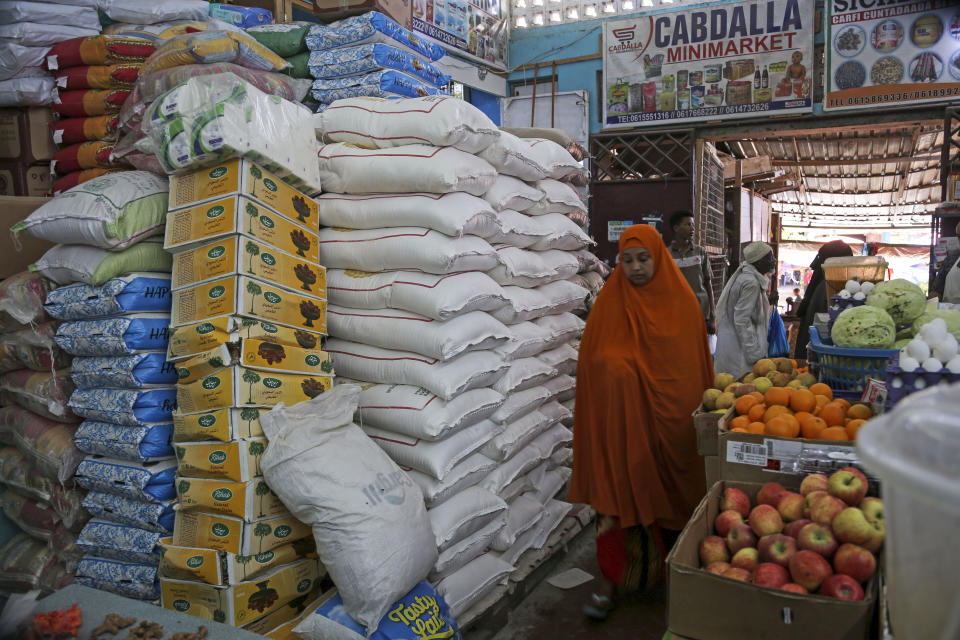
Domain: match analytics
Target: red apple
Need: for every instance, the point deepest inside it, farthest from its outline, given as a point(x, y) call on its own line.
point(725, 521)
point(854, 561)
point(777, 549)
point(841, 587)
point(826, 509)
point(770, 575)
point(791, 506)
point(856, 472)
point(793, 587)
point(737, 574)
point(813, 482)
point(770, 494)
point(713, 549)
point(736, 500)
point(848, 486)
point(740, 537)
point(747, 558)
point(812, 498)
point(851, 525)
point(817, 538)
point(718, 567)
point(809, 569)
point(792, 529)
point(765, 520)
point(873, 511)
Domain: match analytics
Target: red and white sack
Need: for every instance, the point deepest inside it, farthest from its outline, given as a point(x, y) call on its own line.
point(514, 157)
point(528, 340)
point(558, 197)
point(508, 192)
point(452, 214)
point(517, 435)
point(560, 232)
point(523, 373)
point(524, 268)
point(548, 299)
point(405, 249)
point(466, 473)
point(520, 403)
point(557, 161)
point(517, 230)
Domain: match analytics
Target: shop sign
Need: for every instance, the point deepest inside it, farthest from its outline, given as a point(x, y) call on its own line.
point(474, 28)
point(724, 61)
point(886, 53)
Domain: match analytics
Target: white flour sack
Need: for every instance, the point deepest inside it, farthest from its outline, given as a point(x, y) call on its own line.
point(524, 268)
point(368, 518)
point(564, 327)
point(471, 370)
point(509, 193)
point(405, 248)
point(513, 157)
point(468, 585)
point(562, 358)
point(551, 298)
point(517, 435)
point(466, 473)
point(561, 388)
point(440, 297)
point(557, 161)
point(518, 230)
point(524, 514)
point(560, 232)
point(452, 214)
point(559, 197)
point(462, 552)
point(522, 462)
point(436, 459)
point(440, 121)
point(415, 168)
point(407, 331)
point(416, 412)
point(519, 404)
point(528, 340)
point(463, 515)
point(524, 373)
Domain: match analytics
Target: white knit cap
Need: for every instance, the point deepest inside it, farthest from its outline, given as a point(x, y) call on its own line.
point(755, 250)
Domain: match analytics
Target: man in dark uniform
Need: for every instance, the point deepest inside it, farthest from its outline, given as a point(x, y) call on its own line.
point(693, 263)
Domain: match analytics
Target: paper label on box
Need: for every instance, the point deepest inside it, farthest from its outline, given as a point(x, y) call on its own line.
point(221, 568)
point(250, 501)
point(238, 461)
point(221, 425)
point(747, 453)
point(268, 356)
point(191, 340)
point(225, 533)
point(238, 386)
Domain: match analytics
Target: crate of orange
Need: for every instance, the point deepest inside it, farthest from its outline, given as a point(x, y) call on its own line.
point(764, 436)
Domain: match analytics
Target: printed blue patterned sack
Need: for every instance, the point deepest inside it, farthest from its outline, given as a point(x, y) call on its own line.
point(134, 590)
point(353, 61)
point(139, 444)
point(379, 84)
point(113, 541)
point(153, 516)
point(117, 336)
point(126, 372)
point(149, 481)
point(131, 407)
point(143, 293)
point(127, 579)
point(368, 28)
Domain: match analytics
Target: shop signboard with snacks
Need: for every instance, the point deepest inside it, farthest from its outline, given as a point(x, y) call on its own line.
point(734, 60)
point(475, 28)
point(898, 54)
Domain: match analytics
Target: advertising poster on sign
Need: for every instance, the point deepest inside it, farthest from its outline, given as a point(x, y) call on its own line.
point(892, 53)
point(718, 62)
point(476, 28)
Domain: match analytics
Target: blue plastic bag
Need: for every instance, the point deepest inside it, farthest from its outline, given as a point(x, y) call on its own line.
point(777, 344)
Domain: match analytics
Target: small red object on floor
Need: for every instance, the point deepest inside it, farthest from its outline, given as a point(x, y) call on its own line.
point(57, 624)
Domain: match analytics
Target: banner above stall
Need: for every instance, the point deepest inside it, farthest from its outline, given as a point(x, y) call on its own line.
point(475, 29)
point(733, 60)
point(890, 54)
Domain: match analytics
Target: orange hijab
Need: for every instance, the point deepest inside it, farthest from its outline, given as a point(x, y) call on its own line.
point(644, 363)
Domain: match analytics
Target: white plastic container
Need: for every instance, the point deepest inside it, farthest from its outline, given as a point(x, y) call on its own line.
point(914, 450)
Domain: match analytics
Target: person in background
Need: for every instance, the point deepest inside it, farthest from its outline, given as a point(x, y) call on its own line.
point(947, 283)
point(644, 364)
point(815, 298)
point(693, 263)
point(793, 303)
point(743, 312)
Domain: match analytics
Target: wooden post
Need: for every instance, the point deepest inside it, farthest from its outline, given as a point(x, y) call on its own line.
point(533, 102)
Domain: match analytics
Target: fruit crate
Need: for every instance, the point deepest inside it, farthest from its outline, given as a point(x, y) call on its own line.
point(846, 370)
point(838, 271)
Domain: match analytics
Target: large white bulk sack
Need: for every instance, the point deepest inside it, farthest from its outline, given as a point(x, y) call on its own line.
point(523, 374)
point(369, 523)
point(471, 370)
point(49, 13)
point(549, 484)
point(463, 515)
point(512, 156)
point(435, 459)
point(562, 358)
point(462, 552)
point(440, 297)
point(404, 248)
point(440, 121)
point(561, 388)
point(15, 58)
point(558, 197)
point(36, 34)
point(452, 214)
point(524, 460)
point(560, 232)
point(517, 230)
point(555, 411)
point(554, 514)
point(519, 404)
point(562, 457)
point(415, 168)
point(563, 326)
point(517, 435)
point(554, 438)
point(407, 331)
point(467, 586)
point(508, 192)
point(528, 340)
point(557, 161)
point(419, 413)
point(551, 298)
point(466, 473)
point(524, 268)
point(524, 513)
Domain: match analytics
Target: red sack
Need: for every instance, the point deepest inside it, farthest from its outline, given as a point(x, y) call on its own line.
point(74, 130)
point(86, 155)
point(102, 49)
point(80, 104)
point(74, 178)
point(114, 76)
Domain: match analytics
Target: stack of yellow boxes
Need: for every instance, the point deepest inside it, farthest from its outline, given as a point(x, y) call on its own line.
point(248, 317)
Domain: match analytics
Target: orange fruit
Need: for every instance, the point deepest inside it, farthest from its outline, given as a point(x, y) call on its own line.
point(756, 427)
point(843, 403)
point(740, 421)
point(773, 412)
point(820, 389)
point(740, 430)
point(859, 412)
point(757, 395)
point(833, 415)
point(794, 363)
point(802, 416)
point(756, 412)
point(803, 400)
point(812, 427)
point(782, 427)
point(744, 403)
point(834, 433)
point(853, 427)
point(776, 396)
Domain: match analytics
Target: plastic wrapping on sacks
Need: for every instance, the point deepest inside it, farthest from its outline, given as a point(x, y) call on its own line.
point(452, 214)
point(362, 59)
point(284, 39)
point(31, 348)
point(114, 76)
point(33, 91)
point(136, 293)
point(25, 479)
point(21, 300)
point(211, 47)
point(36, 34)
point(139, 12)
point(47, 445)
point(19, 61)
point(240, 16)
point(43, 393)
point(366, 28)
point(27, 564)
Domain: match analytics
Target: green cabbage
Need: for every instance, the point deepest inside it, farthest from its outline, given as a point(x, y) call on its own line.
point(864, 327)
point(951, 316)
point(903, 300)
point(900, 344)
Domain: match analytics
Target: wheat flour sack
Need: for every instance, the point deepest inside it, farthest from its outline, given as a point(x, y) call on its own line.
point(453, 214)
point(368, 518)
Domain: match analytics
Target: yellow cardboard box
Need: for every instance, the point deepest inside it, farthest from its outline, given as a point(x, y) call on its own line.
point(279, 625)
point(238, 255)
point(192, 339)
point(225, 533)
point(220, 567)
point(238, 386)
point(250, 500)
point(220, 425)
point(256, 354)
point(238, 460)
point(245, 602)
point(242, 295)
point(202, 223)
point(243, 177)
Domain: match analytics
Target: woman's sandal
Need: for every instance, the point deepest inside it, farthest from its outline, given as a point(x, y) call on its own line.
point(599, 607)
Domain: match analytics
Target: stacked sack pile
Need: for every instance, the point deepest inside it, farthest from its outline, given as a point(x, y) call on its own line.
point(114, 308)
point(289, 41)
point(451, 308)
point(371, 55)
point(38, 459)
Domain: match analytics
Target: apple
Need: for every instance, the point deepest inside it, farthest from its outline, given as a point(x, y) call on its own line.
point(851, 525)
point(718, 567)
point(777, 549)
point(809, 569)
point(770, 575)
point(854, 561)
point(856, 472)
point(813, 482)
point(841, 587)
point(817, 538)
point(791, 506)
point(740, 537)
point(792, 529)
point(813, 498)
point(873, 511)
point(770, 494)
point(726, 520)
point(747, 558)
point(848, 486)
point(736, 500)
point(826, 509)
point(713, 549)
point(723, 380)
point(737, 574)
point(765, 520)
point(793, 587)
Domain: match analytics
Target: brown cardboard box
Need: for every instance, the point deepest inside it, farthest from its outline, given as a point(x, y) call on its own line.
point(711, 466)
point(25, 135)
point(12, 210)
point(704, 606)
point(705, 422)
point(18, 179)
point(399, 10)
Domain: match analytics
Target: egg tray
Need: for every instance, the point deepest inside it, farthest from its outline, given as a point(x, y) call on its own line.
point(910, 379)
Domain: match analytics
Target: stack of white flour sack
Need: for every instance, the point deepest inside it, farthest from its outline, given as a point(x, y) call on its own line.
point(114, 309)
point(449, 252)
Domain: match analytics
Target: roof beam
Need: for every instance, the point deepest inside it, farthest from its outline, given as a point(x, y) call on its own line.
point(856, 161)
point(803, 181)
point(905, 169)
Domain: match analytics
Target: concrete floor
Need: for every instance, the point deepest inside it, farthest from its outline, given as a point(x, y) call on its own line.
point(550, 613)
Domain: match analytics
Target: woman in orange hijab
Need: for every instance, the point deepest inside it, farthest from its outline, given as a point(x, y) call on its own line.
point(644, 363)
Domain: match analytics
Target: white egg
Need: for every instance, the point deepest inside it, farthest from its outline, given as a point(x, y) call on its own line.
point(946, 350)
point(897, 382)
point(932, 364)
point(845, 295)
point(852, 286)
point(954, 365)
point(934, 331)
point(859, 295)
point(866, 287)
point(918, 350)
point(920, 384)
point(909, 364)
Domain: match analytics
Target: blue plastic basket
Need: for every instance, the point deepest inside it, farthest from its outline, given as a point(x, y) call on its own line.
point(847, 369)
